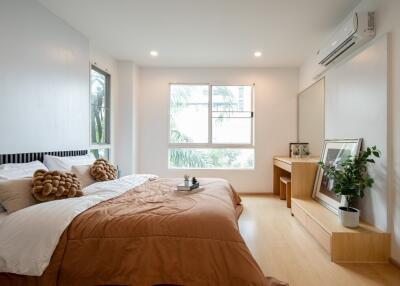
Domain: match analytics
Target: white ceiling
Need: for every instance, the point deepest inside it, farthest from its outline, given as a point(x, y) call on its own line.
point(212, 33)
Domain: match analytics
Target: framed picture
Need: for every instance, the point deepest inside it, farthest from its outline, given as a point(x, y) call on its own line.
point(334, 152)
point(298, 149)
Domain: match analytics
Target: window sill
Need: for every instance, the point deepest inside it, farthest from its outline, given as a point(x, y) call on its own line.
point(213, 169)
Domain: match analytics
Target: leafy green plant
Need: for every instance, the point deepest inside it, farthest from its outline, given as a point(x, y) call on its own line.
point(351, 178)
point(188, 158)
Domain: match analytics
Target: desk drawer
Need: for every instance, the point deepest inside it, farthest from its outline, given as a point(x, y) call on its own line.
point(283, 165)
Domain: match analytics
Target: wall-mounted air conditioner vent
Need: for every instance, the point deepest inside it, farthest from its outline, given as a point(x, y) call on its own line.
point(355, 32)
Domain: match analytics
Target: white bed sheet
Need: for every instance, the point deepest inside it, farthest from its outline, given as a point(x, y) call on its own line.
point(29, 236)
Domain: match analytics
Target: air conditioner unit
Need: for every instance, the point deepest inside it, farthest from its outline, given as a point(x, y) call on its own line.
point(356, 31)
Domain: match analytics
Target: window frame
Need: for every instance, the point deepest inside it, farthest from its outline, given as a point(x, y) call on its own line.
point(107, 144)
point(209, 144)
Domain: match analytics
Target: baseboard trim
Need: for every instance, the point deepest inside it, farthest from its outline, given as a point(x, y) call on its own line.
point(255, 194)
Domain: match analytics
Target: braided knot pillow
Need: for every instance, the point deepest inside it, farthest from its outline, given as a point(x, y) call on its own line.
point(55, 185)
point(101, 170)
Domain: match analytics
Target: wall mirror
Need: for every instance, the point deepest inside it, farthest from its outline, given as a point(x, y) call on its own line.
point(311, 117)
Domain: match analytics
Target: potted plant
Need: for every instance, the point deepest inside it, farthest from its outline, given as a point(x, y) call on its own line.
point(350, 179)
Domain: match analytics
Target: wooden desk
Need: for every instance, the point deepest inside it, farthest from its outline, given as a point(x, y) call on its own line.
point(302, 172)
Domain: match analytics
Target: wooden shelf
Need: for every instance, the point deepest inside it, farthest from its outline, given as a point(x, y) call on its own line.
point(363, 244)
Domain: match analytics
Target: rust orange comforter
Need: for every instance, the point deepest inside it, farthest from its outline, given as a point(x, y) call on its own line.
point(154, 235)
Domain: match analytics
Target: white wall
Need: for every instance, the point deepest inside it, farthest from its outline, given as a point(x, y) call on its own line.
point(387, 21)
point(275, 119)
point(356, 107)
point(44, 86)
point(44, 81)
point(126, 131)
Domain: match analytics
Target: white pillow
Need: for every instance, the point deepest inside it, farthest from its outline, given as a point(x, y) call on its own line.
point(83, 174)
point(55, 163)
point(16, 194)
point(20, 170)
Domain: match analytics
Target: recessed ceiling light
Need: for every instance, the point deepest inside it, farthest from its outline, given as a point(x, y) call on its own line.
point(257, 54)
point(154, 53)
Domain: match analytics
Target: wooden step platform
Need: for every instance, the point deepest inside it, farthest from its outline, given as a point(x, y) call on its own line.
point(363, 244)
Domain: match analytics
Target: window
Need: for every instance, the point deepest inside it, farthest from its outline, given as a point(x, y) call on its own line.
point(100, 112)
point(232, 115)
point(101, 153)
point(211, 126)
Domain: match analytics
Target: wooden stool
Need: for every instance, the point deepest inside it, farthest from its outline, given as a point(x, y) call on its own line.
point(285, 190)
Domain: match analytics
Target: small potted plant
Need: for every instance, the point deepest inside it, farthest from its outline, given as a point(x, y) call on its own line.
point(350, 179)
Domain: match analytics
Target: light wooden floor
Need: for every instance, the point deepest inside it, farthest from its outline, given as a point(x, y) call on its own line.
point(285, 250)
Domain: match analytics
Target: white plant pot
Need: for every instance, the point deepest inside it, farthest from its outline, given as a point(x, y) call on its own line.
point(349, 218)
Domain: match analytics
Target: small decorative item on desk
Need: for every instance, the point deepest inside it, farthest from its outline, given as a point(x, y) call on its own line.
point(298, 150)
point(188, 185)
point(186, 180)
point(304, 150)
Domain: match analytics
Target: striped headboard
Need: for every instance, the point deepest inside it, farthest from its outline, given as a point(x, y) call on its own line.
point(29, 157)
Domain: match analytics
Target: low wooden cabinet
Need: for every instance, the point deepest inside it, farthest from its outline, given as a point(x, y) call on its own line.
point(365, 243)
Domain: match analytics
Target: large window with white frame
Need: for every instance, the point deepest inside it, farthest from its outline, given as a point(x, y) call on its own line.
point(211, 126)
point(100, 102)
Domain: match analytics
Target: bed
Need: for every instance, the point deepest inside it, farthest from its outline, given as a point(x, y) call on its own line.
point(3, 215)
point(136, 230)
